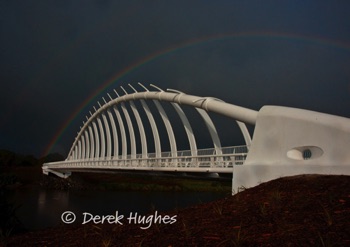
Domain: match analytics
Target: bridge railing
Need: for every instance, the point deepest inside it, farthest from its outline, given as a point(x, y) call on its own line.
point(225, 157)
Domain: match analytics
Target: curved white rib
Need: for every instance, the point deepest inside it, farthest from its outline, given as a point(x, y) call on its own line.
point(154, 128)
point(97, 140)
point(212, 130)
point(92, 142)
point(79, 149)
point(87, 154)
point(115, 134)
point(75, 152)
point(141, 129)
point(236, 112)
point(108, 136)
point(102, 136)
point(82, 147)
point(169, 129)
point(122, 132)
point(188, 129)
point(245, 132)
point(131, 131)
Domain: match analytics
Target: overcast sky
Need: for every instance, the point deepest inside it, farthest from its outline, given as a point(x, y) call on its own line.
point(59, 57)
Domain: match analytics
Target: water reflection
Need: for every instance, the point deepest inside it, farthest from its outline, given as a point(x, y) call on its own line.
point(40, 208)
point(49, 206)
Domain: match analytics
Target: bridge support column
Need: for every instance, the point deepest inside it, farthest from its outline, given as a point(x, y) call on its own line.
point(47, 170)
point(289, 141)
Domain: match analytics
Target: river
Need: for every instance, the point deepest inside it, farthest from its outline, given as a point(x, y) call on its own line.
point(40, 208)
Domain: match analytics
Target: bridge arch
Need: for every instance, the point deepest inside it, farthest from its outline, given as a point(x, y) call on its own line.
point(86, 143)
point(289, 133)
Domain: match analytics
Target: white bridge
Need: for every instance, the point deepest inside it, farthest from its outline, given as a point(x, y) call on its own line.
point(287, 141)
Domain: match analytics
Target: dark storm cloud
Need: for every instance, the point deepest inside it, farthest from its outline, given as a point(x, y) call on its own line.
point(55, 54)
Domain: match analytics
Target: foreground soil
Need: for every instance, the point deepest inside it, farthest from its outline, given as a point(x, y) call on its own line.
point(306, 210)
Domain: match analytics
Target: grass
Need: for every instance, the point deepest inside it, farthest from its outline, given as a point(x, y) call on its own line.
point(106, 239)
point(239, 238)
point(325, 242)
point(218, 207)
point(276, 195)
point(327, 216)
point(263, 209)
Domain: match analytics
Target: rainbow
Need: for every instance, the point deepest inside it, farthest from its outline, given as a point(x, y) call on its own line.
point(180, 46)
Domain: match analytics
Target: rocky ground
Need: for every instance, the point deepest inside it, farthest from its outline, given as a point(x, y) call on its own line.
point(306, 210)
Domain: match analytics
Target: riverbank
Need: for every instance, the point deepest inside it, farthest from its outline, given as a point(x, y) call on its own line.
point(308, 210)
point(136, 182)
point(119, 181)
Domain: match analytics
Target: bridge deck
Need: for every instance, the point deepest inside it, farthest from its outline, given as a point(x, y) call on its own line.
point(206, 160)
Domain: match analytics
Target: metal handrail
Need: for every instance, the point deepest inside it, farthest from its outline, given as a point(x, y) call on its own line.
point(230, 156)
